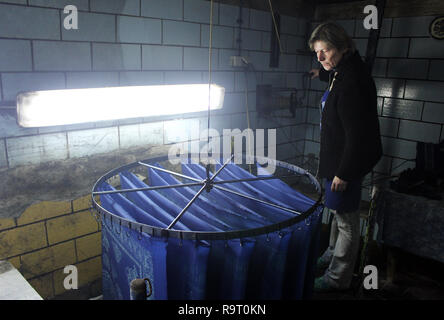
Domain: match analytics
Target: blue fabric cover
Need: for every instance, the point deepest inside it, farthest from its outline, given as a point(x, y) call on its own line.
point(279, 265)
point(127, 254)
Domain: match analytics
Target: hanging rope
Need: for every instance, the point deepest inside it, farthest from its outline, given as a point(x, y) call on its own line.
point(209, 82)
point(275, 26)
point(248, 118)
point(240, 21)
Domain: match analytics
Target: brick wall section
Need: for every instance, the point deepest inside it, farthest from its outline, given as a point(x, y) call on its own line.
point(49, 236)
point(408, 74)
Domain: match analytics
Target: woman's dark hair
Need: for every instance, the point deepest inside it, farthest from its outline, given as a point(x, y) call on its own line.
point(333, 35)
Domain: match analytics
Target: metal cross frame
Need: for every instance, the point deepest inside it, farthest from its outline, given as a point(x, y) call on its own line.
point(206, 184)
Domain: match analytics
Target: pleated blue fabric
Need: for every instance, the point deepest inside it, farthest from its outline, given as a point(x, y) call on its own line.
point(278, 265)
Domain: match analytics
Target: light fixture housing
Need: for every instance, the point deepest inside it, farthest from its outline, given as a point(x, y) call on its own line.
point(73, 106)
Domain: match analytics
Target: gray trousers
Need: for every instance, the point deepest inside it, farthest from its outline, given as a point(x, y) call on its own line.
point(343, 249)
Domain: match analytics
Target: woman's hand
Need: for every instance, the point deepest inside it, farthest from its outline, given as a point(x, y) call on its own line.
point(338, 184)
point(314, 73)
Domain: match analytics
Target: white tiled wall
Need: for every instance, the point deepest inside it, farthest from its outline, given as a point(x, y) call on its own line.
point(138, 42)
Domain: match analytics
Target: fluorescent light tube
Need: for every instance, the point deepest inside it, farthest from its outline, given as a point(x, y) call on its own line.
point(71, 106)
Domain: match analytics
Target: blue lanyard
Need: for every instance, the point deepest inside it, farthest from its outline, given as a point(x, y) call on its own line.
point(325, 96)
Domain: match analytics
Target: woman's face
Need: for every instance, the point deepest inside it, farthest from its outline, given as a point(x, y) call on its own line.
point(329, 57)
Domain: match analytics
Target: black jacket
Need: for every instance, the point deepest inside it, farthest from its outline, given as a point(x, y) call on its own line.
point(350, 136)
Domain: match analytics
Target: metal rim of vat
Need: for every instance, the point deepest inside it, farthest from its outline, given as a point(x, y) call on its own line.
point(203, 235)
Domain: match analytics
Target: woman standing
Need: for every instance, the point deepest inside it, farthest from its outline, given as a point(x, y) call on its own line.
point(350, 146)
